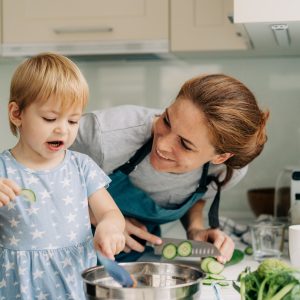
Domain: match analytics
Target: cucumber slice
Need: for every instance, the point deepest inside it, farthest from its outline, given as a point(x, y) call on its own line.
point(215, 267)
point(223, 283)
point(169, 251)
point(29, 195)
point(184, 249)
point(215, 276)
point(204, 263)
point(248, 250)
point(208, 281)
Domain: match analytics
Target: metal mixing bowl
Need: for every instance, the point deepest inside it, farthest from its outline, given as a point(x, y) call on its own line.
point(155, 281)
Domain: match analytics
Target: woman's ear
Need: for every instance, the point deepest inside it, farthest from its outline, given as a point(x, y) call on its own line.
point(14, 114)
point(220, 158)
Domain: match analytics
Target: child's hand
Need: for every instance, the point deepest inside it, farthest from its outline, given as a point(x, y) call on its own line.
point(108, 239)
point(8, 191)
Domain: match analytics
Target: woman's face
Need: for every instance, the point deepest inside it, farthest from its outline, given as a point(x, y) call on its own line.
point(181, 141)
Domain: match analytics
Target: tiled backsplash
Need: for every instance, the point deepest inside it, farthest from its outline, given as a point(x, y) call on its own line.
point(155, 83)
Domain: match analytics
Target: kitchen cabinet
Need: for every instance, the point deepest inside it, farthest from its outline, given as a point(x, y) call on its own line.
point(79, 27)
point(202, 25)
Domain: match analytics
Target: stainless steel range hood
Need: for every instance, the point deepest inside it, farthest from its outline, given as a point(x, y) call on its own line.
point(271, 26)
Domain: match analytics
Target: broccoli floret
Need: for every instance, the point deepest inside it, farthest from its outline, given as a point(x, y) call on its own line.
point(271, 266)
point(273, 280)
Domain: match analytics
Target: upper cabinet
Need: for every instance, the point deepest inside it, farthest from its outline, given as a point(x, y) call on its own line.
point(85, 27)
point(273, 26)
point(204, 25)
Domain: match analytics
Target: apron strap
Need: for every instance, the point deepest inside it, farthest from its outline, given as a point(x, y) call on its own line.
point(213, 214)
point(139, 155)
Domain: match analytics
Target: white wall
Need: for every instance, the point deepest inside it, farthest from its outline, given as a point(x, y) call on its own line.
point(274, 81)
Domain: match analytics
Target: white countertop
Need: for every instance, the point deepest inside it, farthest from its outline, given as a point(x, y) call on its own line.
point(230, 272)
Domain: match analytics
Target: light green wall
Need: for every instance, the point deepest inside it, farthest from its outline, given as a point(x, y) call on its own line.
point(275, 82)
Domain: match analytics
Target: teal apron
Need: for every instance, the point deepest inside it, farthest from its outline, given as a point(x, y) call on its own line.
point(135, 203)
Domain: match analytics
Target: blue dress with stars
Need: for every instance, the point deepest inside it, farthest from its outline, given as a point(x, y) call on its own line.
point(46, 244)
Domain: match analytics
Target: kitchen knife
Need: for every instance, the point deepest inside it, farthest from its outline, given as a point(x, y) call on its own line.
point(199, 248)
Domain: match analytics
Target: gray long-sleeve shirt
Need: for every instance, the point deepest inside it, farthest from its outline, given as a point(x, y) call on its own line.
point(112, 136)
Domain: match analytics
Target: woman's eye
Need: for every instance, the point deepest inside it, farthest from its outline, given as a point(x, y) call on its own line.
point(49, 119)
point(184, 145)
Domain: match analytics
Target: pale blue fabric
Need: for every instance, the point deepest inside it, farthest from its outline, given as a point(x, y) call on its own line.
point(45, 245)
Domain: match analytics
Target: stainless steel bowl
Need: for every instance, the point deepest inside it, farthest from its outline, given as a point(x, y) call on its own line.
point(155, 281)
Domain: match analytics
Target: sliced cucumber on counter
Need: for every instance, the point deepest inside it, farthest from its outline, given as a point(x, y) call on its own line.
point(169, 251)
point(184, 249)
point(248, 250)
point(29, 195)
point(216, 276)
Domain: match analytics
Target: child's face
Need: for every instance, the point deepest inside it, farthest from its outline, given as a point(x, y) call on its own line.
point(47, 131)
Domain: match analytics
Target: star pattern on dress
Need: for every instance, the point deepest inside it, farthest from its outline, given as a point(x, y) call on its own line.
point(2, 283)
point(38, 274)
point(68, 200)
point(72, 236)
point(37, 234)
point(11, 205)
point(32, 210)
point(71, 217)
point(9, 266)
point(45, 194)
point(66, 182)
point(13, 241)
point(42, 296)
point(14, 222)
point(32, 179)
point(92, 174)
point(67, 262)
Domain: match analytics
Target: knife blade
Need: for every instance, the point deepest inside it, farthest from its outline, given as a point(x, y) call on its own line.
point(199, 248)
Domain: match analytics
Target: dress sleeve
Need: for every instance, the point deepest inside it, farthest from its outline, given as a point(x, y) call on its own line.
point(95, 178)
point(237, 176)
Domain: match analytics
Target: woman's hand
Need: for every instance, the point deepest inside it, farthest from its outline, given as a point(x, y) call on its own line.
point(221, 240)
point(108, 239)
point(8, 191)
point(134, 227)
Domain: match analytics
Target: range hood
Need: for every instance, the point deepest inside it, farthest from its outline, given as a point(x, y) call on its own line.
point(270, 26)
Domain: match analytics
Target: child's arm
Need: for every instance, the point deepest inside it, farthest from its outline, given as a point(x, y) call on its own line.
point(8, 191)
point(109, 235)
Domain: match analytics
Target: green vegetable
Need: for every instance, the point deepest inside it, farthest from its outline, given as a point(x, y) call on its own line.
point(169, 251)
point(29, 195)
point(237, 256)
point(273, 280)
point(184, 249)
point(215, 267)
point(248, 250)
point(204, 263)
point(208, 281)
point(215, 276)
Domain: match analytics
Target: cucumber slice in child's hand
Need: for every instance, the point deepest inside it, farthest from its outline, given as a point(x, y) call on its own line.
point(29, 195)
point(169, 251)
point(184, 249)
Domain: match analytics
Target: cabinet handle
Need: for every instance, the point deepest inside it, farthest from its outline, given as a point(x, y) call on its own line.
point(83, 30)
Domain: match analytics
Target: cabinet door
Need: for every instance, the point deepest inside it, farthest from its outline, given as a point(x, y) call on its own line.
point(203, 25)
point(76, 21)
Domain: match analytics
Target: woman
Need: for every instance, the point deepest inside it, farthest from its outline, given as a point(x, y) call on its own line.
point(164, 166)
